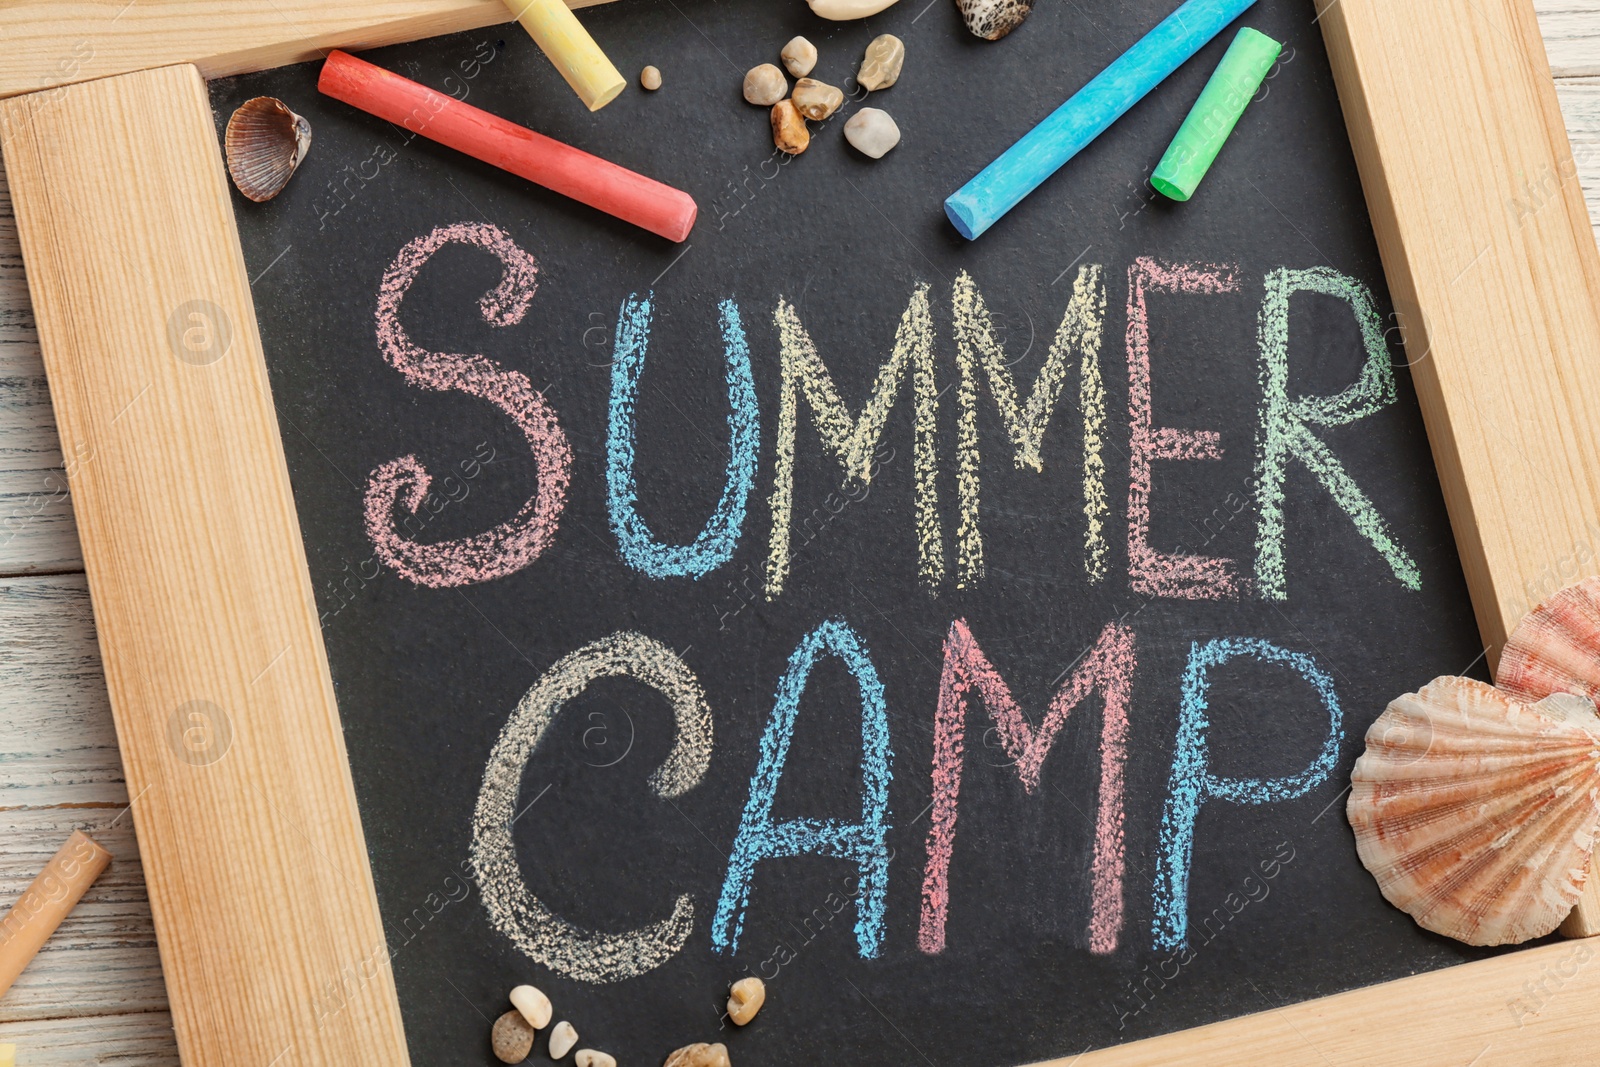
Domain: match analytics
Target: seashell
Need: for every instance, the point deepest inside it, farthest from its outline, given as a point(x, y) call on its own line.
point(993, 19)
point(843, 10)
point(1556, 647)
point(264, 143)
point(1476, 812)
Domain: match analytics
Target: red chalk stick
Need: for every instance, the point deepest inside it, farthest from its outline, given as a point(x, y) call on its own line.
point(618, 191)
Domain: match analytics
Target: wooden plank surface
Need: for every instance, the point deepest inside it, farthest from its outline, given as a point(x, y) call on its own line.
point(45, 43)
point(194, 559)
point(57, 744)
point(1571, 30)
point(1495, 274)
point(36, 530)
point(1495, 277)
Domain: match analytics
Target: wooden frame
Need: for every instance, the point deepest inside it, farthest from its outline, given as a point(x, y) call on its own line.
point(258, 878)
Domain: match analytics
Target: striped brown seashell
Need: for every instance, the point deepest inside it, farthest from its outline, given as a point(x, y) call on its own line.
point(264, 144)
point(1476, 812)
point(1556, 647)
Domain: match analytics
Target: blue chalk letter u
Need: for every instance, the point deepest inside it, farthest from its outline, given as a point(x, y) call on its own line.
point(760, 839)
point(1192, 783)
point(720, 536)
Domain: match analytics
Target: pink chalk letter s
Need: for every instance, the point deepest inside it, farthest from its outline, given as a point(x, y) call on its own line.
point(512, 545)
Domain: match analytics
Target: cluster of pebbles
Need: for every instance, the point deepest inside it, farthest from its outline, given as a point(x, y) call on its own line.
point(531, 1011)
point(870, 130)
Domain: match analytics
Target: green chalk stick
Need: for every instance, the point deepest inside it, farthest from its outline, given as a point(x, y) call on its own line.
point(1214, 115)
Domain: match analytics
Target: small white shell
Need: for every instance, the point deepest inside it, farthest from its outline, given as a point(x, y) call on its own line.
point(264, 143)
point(1476, 812)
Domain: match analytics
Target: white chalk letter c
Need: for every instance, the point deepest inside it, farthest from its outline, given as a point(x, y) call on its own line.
point(544, 936)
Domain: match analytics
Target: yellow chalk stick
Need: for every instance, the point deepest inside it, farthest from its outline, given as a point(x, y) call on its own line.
point(8, 1056)
point(568, 45)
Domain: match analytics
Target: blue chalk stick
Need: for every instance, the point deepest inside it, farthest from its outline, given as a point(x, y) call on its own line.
point(1043, 150)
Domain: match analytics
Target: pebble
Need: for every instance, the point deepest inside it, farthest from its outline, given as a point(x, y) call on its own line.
point(789, 131)
point(562, 1038)
point(588, 1057)
point(842, 10)
point(765, 85)
point(816, 100)
point(745, 999)
point(700, 1055)
point(799, 56)
point(650, 78)
point(880, 68)
point(534, 1006)
point(872, 132)
point(512, 1038)
point(993, 19)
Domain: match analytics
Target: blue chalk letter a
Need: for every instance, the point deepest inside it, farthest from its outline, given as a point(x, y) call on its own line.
point(760, 839)
point(720, 535)
point(1192, 783)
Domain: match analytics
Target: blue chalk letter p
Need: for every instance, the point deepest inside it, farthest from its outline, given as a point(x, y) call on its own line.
point(1192, 783)
point(760, 839)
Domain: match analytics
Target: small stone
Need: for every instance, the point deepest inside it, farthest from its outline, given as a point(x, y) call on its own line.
point(588, 1057)
point(881, 66)
point(650, 78)
point(841, 10)
point(745, 999)
point(816, 100)
point(789, 131)
point(872, 132)
point(700, 1055)
point(562, 1038)
point(534, 1006)
point(765, 85)
point(512, 1038)
point(799, 56)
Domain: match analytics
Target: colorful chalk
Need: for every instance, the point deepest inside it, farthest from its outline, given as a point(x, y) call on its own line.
point(42, 906)
point(1047, 147)
point(564, 41)
point(588, 179)
point(1214, 115)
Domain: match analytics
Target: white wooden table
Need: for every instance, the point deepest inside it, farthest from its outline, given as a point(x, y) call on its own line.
point(95, 995)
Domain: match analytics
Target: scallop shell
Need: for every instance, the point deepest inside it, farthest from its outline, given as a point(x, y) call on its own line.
point(264, 144)
point(1556, 647)
point(1476, 812)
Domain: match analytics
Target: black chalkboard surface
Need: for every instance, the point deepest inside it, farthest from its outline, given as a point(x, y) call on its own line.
point(1008, 722)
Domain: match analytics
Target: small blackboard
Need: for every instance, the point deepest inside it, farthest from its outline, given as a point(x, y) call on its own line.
point(1050, 662)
